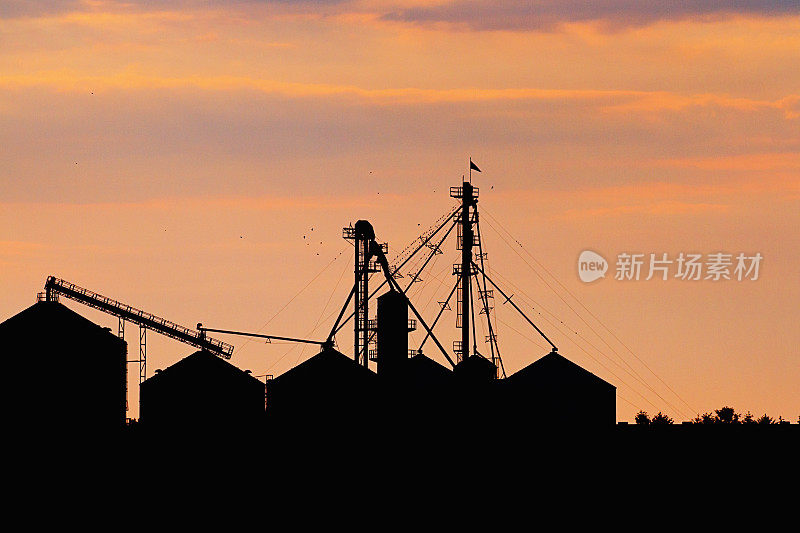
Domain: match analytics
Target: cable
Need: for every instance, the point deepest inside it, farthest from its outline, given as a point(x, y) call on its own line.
point(292, 299)
point(587, 310)
point(523, 296)
point(324, 308)
point(634, 375)
point(397, 268)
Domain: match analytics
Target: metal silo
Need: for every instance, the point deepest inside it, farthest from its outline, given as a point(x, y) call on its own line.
point(68, 372)
point(393, 325)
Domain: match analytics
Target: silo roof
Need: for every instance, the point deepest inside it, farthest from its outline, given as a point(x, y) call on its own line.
point(555, 364)
point(202, 363)
point(49, 314)
point(327, 361)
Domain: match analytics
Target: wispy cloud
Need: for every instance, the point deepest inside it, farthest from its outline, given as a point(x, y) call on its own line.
point(548, 15)
point(10, 9)
point(26, 8)
point(144, 137)
point(477, 15)
point(609, 100)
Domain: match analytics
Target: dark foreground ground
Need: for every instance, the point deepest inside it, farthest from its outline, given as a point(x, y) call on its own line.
point(335, 475)
point(485, 447)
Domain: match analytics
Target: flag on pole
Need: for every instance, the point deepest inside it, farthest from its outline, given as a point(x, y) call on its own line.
point(473, 166)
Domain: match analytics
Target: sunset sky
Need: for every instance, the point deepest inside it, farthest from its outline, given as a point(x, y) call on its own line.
point(176, 155)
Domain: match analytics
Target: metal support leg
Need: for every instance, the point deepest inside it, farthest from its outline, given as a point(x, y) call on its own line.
point(142, 354)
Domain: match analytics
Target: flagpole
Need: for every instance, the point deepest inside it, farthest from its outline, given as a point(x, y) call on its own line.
point(472, 166)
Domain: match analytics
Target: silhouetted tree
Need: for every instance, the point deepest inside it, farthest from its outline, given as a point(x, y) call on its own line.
point(642, 419)
point(661, 419)
point(726, 415)
point(765, 420)
point(705, 418)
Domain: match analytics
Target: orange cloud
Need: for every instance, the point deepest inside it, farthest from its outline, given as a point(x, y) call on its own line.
point(620, 101)
point(664, 101)
point(613, 15)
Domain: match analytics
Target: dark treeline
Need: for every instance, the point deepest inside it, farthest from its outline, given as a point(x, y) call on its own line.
point(724, 415)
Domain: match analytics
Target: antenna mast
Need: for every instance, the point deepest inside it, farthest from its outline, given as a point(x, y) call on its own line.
point(361, 234)
point(469, 201)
